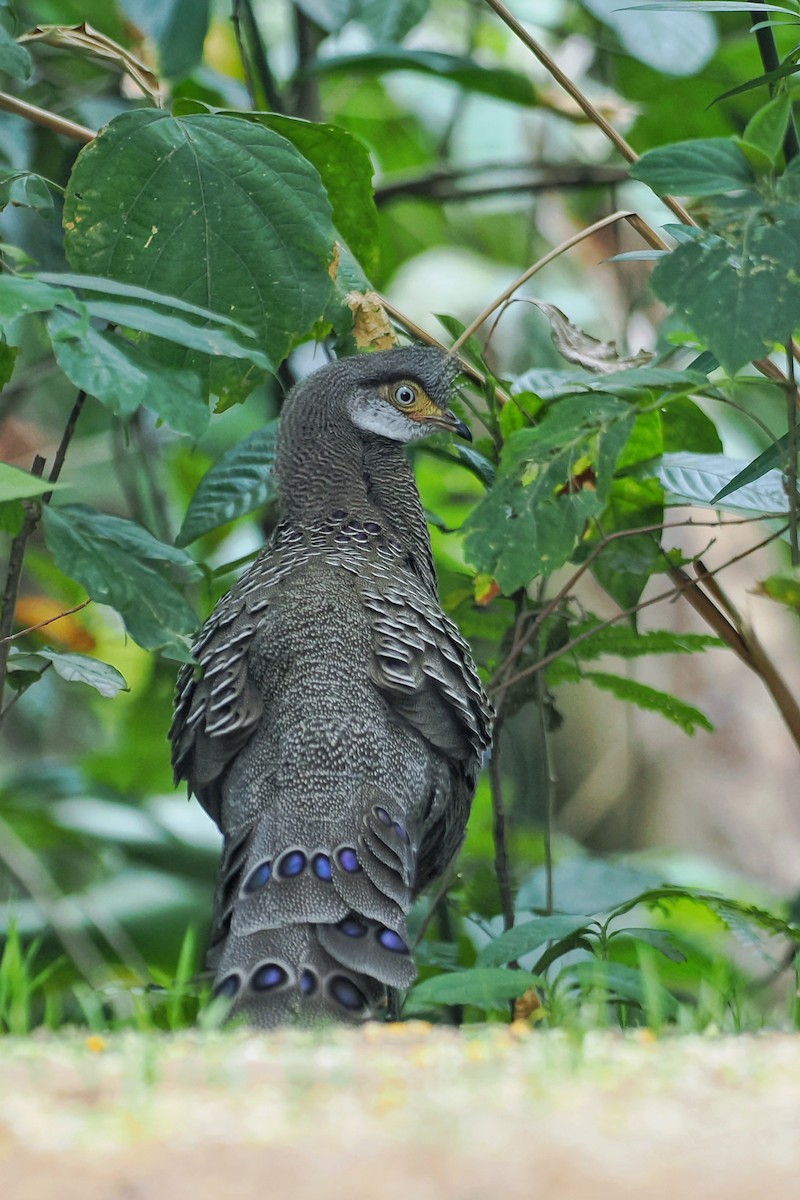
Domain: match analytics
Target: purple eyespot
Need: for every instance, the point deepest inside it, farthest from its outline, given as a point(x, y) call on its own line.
point(372, 527)
point(308, 983)
point(360, 536)
point(352, 927)
point(258, 878)
point(348, 860)
point(293, 863)
point(392, 941)
point(229, 987)
point(322, 867)
point(345, 992)
point(400, 831)
point(269, 976)
point(338, 514)
point(382, 815)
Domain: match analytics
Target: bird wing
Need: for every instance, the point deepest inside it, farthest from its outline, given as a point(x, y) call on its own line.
point(217, 704)
point(424, 668)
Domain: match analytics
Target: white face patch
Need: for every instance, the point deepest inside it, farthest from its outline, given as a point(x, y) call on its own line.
point(378, 416)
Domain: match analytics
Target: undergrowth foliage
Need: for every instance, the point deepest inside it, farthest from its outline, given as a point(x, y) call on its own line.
point(162, 276)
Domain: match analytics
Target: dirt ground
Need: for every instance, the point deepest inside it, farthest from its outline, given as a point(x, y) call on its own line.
point(397, 1112)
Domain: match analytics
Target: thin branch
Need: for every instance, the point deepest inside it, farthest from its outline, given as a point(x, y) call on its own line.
point(41, 624)
point(791, 465)
point(59, 912)
point(537, 266)
point(444, 186)
point(48, 120)
point(499, 831)
point(243, 11)
point(768, 50)
point(14, 574)
point(33, 511)
point(583, 101)
point(506, 683)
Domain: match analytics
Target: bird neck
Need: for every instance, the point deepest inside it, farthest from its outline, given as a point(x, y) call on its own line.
point(332, 467)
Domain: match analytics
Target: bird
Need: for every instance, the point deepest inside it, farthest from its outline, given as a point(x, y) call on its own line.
point(333, 722)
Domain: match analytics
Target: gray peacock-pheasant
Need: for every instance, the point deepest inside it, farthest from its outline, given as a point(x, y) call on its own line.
point(336, 724)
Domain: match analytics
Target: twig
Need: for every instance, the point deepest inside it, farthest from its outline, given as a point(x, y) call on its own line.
point(502, 686)
point(578, 96)
point(499, 831)
point(622, 215)
point(243, 10)
point(765, 40)
point(12, 637)
point(444, 181)
point(791, 465)
point(48, 120)
point(14, 574)
point(33, 512)
point(28, 870)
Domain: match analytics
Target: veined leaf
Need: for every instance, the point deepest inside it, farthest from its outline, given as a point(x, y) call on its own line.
point(240, 482)
point(529, 936)
point(81, 668)
point(698, 479)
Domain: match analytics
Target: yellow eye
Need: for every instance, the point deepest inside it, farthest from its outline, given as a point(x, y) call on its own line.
point(404, 395)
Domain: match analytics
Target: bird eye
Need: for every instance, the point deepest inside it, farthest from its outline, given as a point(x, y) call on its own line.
point(405, 395)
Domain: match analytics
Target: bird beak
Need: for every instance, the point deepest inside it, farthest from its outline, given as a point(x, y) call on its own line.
point(451, 423)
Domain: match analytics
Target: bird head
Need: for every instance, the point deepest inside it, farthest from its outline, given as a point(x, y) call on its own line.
point(403, 394)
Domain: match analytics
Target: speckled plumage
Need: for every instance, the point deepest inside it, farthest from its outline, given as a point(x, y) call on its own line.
point(336, 726)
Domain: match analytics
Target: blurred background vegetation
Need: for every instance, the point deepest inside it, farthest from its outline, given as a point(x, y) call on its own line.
point(104, 866)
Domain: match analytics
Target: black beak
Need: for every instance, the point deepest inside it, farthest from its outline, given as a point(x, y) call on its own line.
point(451, 423)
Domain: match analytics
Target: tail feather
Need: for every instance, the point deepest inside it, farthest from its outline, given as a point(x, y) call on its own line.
point(307, 930)
point(283, 975)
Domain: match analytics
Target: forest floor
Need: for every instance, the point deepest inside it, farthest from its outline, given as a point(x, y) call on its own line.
point(399, 1112)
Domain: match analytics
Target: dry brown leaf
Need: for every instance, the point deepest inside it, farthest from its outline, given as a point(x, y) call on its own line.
point(86, 40)
point(581, 348)
point(372, 328)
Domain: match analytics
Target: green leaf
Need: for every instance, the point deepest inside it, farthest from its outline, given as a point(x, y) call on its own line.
point(685, 426)
point(346, 170)
point(624, 642)
point(213, 342)
point(390, 20)
point(491, 81)
point(80, 668)
point(774, 457)
point(16, 484)
point(525, 938)
point(701, 167)
point(660, 939)
point(240, 482)
point(766, 129)
point(130, 291)
point(121, 564)
point(554, 477)
point(484, 987)
point(217, 211)
point(122, 376)
point(625, 564)
point(651, 700)
point(675, 43)
point(785, 588)
point(739, 297)
point(12, 515)
point(178, 27)
point(698, 479)
point(21, 294)
point(619, 981)
point(585, 885)
point(14, 59)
